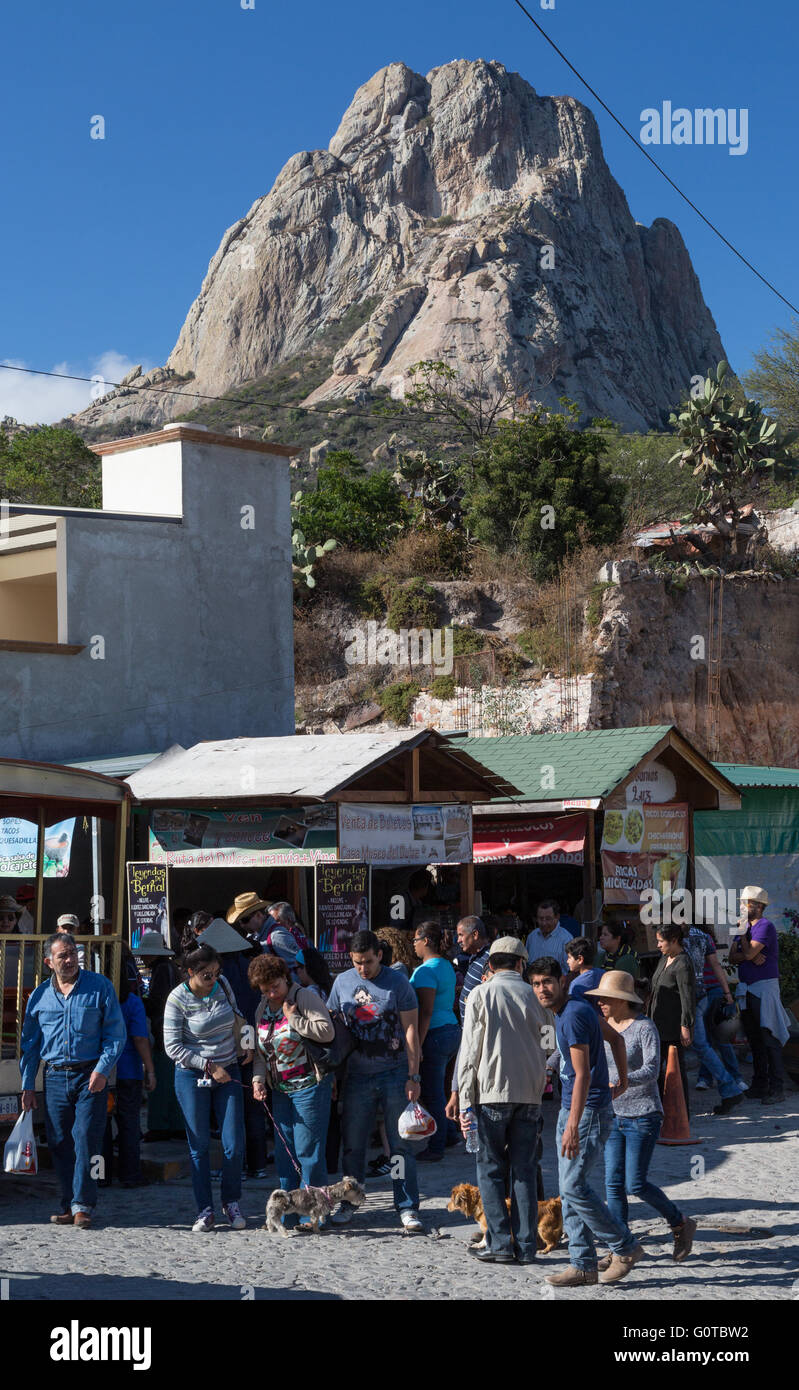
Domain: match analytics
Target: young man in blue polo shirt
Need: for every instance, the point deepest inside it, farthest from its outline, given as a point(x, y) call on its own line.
point(584, 1122)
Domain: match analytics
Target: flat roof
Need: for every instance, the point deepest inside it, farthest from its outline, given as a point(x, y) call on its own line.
point(198, 435)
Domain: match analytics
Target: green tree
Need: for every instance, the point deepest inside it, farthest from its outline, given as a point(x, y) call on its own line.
point(774, 379)
point(732, 450)
point(49, 466)
point(539, 484)
point(355, 508)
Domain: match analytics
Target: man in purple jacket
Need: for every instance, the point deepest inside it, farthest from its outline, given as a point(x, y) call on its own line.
point(756, 953)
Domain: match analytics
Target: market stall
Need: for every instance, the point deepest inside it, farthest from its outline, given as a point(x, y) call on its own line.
point(272, 815)
point(604, 816)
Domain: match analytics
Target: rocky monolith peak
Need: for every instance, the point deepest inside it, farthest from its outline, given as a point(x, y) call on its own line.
point(484, 222)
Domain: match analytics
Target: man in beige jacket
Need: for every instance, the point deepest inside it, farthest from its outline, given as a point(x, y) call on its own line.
point(507, 1037)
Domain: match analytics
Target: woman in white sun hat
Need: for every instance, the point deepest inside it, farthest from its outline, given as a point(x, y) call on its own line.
point(638, 1113)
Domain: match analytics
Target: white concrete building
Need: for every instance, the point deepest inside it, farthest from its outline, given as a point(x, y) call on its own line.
point(165, 617)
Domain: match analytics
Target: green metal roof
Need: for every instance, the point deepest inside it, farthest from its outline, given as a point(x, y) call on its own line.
point(587, 764)
point(742, 775)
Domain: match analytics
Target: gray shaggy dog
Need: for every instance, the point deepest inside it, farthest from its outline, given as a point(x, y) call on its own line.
point(316, 1202)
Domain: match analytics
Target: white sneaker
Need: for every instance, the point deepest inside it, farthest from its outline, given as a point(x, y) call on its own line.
point(411, 1221)
point(343, 1214)
point(204, 1222)
point(233, 1213)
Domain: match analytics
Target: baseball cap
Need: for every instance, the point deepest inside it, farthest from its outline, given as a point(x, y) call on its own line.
point(508, 946)
point(67, 919)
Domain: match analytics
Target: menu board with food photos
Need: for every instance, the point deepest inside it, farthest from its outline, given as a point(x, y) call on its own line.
point(644, 847)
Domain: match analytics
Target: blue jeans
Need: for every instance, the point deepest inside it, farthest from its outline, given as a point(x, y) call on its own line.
point(227, 1103)
point(363, 1095)
point(628, 1154)
point(585, 1216)
point(708, 1056)
point(440, 1046)
point(507, 1158)
point(726, 1051)
point(75, 1124)
point(302, 1119)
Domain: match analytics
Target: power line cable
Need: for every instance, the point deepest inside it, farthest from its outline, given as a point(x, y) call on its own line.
point(654, 163)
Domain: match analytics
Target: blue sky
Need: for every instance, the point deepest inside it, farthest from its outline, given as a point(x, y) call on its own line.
point(104, 243)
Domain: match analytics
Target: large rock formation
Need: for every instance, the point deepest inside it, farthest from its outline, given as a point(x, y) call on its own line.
point(486, 224)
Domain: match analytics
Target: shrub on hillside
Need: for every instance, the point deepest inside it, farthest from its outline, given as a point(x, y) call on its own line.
point(355, 508)
point(539, 484)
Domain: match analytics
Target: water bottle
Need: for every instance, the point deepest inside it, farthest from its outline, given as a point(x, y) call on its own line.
point(472, 1141)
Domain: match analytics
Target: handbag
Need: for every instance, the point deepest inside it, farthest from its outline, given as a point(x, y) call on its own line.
point(328, 1057)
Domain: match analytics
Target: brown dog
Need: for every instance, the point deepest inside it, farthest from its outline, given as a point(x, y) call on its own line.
point(466, 1198)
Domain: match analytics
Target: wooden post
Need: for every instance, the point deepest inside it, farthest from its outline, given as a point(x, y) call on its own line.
point(467, 889)
point(120, 855)
point(39, 872)
point(589, 869)
point(295, 890)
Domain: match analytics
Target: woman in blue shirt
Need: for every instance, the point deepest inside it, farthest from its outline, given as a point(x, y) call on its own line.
point(439, 1034)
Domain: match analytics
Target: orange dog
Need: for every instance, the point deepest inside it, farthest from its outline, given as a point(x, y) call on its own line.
point(466, 1198)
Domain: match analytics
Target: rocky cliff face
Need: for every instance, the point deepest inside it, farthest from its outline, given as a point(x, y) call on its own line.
point(484, 221)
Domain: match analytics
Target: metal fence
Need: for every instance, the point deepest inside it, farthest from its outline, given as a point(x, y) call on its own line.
point(22, 968)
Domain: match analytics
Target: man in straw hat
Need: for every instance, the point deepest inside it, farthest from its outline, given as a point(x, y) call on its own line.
point(584, 1124)
point(755, 950)
point(248, 914)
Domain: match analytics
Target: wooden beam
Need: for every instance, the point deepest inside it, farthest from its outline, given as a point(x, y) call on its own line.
point(589, 867)
point(467, 889)
point(39, 872)
point(414, 774)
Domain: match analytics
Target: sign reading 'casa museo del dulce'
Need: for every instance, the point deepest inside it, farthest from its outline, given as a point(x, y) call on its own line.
point(403, 835)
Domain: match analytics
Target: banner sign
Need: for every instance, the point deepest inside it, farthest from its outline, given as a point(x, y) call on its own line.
point(282, 836)
point(148, 901)
point(545, 839)
point(644, 846)
point(342, 908)
point(402, 835)
point(18, 848)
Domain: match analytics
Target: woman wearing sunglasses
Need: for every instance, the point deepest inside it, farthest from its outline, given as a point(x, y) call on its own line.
point(200, 1020)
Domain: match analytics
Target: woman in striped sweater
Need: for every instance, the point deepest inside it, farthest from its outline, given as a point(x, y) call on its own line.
point(199, 1035)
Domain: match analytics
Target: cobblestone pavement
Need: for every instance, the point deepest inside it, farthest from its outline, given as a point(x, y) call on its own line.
point(738, 1179)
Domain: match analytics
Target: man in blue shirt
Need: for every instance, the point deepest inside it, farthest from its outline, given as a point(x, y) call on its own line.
point(73, 1023)
point(584, 1123)
point(552, 933)
point(380, 1009)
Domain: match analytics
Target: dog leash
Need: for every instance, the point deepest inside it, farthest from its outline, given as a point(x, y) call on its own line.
point(325, 1191)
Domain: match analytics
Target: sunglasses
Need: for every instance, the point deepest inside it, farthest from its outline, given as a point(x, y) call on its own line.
point(207, 975)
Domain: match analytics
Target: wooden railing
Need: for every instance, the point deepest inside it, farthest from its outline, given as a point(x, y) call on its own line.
point(22, 968)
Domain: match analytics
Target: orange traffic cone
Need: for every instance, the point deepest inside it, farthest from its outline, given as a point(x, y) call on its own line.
point(675, 1113)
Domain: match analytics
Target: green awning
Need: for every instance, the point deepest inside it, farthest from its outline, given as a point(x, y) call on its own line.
point(767, 823)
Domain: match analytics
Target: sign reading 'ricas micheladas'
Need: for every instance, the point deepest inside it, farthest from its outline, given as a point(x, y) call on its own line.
point(418, 834)
point(644, 847)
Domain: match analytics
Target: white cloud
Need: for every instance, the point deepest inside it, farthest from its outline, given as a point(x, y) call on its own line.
point(40, 400)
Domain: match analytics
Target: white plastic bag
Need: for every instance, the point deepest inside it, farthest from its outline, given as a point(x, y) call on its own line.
point(416, 1123)
point(19, 1155)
